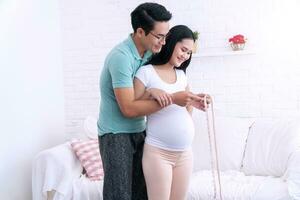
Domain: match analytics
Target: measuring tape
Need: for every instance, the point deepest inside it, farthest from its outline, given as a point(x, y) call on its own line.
point(213, 149)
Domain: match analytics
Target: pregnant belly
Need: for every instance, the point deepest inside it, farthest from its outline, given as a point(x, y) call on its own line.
point(174, 132)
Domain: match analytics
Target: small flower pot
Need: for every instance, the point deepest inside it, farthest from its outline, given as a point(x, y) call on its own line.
point(237, 46)
point(195, 47)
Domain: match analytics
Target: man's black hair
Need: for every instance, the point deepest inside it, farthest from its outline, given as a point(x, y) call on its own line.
point(146, 14)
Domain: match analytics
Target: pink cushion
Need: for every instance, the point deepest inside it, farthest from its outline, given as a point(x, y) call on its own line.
point(89, 156)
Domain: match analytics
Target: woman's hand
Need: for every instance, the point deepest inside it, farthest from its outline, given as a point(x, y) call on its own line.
point(164, 99)
point(200, 104)
point(185, 98)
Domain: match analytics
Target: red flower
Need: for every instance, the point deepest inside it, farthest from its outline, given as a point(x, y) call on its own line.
point(237, 39)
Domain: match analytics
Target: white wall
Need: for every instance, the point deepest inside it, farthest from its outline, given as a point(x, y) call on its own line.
point(261, 85)
point(31, 85)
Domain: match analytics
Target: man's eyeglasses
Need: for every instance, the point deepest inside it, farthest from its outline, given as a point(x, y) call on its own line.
point(160, 37)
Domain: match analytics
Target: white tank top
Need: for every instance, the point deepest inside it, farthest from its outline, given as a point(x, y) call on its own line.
point(172, 127)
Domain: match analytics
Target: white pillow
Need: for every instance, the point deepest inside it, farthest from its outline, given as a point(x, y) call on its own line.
point(231, 135)
point(269, 146)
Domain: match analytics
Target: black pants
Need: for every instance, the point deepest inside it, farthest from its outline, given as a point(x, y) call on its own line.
point(122, 164)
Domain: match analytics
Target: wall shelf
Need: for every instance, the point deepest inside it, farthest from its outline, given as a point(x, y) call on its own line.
point(218, 53)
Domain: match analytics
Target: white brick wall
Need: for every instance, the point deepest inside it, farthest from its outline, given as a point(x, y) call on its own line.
point(264, 84)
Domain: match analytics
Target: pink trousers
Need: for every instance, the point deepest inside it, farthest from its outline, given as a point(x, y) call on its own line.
point(167, 173)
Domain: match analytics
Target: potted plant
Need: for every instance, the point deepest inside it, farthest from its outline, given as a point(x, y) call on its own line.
point(237, 42)
point(196, 37)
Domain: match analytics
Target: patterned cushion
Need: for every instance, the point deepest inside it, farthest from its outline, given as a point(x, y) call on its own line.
point(89, 156)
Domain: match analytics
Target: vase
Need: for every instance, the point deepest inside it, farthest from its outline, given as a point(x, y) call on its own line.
point(195, 47)
point(237, 46)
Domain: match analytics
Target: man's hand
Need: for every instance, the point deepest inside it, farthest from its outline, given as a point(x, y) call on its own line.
point(184, 98)
point(164, 99)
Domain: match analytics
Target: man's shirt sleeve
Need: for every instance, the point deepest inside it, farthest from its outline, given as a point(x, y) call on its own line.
point(121, 71)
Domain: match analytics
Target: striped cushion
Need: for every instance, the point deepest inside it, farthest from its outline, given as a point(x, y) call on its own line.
point(89, 156)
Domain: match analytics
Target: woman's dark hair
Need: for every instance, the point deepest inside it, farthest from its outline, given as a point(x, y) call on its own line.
point(176, 34)
point(146, 14)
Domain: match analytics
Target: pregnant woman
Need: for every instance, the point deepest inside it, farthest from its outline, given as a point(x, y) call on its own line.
point(167, 158)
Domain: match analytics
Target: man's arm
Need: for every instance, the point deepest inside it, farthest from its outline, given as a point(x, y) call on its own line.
point(130, 107)
point(140, 92)
point(121, 71)
point(133, 102)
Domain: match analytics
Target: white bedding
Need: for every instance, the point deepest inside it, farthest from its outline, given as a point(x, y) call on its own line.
point(55, 169)
point(237, 186)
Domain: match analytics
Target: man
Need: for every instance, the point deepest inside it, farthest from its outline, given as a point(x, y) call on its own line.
point(121, 121)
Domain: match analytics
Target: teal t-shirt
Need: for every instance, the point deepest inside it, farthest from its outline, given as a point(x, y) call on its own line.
point(118, 71)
